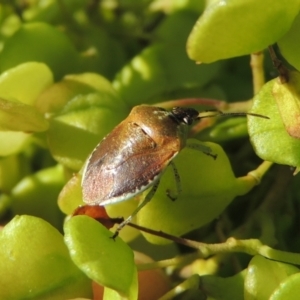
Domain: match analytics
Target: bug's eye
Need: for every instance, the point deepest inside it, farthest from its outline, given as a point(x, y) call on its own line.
point(185, 115)
point(188, 120)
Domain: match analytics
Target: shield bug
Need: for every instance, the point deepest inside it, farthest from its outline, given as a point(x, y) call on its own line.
point(134, 155)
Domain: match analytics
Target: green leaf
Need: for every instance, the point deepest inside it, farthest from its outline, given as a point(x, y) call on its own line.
point(110, 294)
point(83, 120)
point(107, 261)
point(53, 99)
point(23, 83)
point(179, 5)
point(288, 289)
point(287, 97)
point(36, 195)
point(264, 276)
point(12, 169)
point(233, 28)
point(70, 196)
point(51, 11)
point(13, 142)
point(40, 42)
point(229, 288)
point(269, 138)
point(163, 67)
point(197, 204)
point(289, 44)
point(16, 116)
point(229, 129)
point(35, 263)
point(100, 45)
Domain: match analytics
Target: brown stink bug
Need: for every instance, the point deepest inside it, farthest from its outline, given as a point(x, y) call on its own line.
point(134, 155)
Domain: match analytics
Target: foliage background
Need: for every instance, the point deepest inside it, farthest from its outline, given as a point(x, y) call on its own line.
point(72, 70)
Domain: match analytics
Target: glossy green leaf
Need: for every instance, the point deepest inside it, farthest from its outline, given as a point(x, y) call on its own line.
point(110, 294)
point(233, 28)
point(101, 45)
point(264, 276)
point(84, 120)
point(265, 134)
point(40, 42)
point(229, 288)
point(5, 203)
point(287, 97)
point(154, 71)
point(171, 29)
point(107, 261)
point(163, 66)
point(202, 199)
point(12, 169)
point(288, 289)
point(229, 129)
point(37, 195)
point(35, 263)
point(12, 142)
point(16, 116)
point(143, 73)
point(53, 99)
point(23, 83)
point(289, 44)
point(51, 11)
point(179, 5)
point(70, 196)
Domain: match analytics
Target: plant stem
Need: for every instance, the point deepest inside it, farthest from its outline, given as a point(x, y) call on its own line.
point(257, 68)
point(231, 245)
point(282, 70)
point(217, 104)
point(260, 171)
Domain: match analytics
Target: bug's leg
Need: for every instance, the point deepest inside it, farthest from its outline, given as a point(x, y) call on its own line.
point(177, 181)
point(200, 147)
point(147, 199)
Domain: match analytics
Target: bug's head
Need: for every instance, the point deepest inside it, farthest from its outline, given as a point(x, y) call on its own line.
point(185, 115)
point(188, 116)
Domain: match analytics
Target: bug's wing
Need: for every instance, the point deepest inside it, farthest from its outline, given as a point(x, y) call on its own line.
point(125, 162)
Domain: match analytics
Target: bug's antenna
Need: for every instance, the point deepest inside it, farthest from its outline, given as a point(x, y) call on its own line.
point(219, 113)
